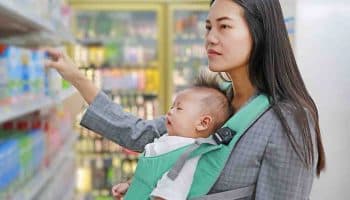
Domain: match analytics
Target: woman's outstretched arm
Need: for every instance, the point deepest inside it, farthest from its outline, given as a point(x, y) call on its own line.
point(104, 116)
point(109, 120)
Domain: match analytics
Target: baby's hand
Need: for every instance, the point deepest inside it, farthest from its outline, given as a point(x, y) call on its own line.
point(119, 190)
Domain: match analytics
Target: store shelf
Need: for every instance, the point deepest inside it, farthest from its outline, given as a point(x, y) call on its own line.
point(188, 40)
point(34, 186)
point(102, 42)
point(38, 39)
point(21, 27)
point(53, 190)
point(15, 20)
point(151, 65)
point(30, 105)
point(69, 195)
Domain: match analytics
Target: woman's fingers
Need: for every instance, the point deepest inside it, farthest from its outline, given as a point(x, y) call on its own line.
point(57, 60)
point(61, 62)
point(55, 54)
point(55, 57)
point(50, 63)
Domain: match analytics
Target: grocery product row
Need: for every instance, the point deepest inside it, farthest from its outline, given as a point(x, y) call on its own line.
point(31, 149)
point(128, 38)
point(24, 80)
point(22, 72)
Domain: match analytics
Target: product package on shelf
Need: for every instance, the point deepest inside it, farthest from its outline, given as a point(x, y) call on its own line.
point(58, 127)
point(10, 168)
point(12, 70)
point(4, 90)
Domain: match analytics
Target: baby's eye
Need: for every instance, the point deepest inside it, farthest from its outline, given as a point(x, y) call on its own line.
point(208, 28)
point(179, 108)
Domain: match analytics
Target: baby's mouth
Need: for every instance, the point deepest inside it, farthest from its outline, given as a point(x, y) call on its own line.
point(168, 122)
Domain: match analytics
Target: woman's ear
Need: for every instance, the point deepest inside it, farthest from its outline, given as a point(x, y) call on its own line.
point(204, 123)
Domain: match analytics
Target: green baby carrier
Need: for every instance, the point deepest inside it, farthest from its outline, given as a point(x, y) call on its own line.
point(214, 151)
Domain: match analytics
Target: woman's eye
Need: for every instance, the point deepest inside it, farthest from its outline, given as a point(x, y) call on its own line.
point(225, 26)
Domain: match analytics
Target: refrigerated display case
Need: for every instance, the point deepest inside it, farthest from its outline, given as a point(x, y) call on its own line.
point(122, 51)
point(125, 43)
point(186, 52)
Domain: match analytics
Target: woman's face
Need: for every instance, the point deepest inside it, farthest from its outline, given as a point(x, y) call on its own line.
point(228, 40)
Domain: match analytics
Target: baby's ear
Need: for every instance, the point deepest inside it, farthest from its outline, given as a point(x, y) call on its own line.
point(204, 123)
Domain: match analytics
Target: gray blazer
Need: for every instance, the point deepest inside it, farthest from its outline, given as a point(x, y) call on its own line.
point(263, 157)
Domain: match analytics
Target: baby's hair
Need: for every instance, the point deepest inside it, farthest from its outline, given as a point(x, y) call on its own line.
point(216, 101)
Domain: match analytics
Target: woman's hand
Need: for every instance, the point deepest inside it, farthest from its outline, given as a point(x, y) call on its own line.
point(119, 190)
point(63, 64)
point(69, 71)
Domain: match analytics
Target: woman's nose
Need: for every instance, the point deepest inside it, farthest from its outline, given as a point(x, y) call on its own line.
point(211, 38)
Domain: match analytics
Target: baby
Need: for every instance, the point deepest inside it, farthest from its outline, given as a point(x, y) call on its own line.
point(197, 112)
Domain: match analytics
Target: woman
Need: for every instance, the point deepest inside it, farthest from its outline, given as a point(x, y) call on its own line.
point(247, 40)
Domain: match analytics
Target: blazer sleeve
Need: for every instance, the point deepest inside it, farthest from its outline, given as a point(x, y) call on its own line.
point(109, 120)
point(282, 174)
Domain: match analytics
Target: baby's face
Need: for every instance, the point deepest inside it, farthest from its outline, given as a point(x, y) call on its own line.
point(184, 114)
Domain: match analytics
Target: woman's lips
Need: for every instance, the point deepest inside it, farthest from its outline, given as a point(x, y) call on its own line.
point(212, 52)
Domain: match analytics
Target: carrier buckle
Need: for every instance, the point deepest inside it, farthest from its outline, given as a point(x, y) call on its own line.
point(224, 135)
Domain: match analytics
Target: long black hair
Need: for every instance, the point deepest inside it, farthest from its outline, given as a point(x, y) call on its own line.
point(274, 71)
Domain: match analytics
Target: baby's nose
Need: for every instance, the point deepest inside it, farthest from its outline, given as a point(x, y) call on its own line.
point(170, 111)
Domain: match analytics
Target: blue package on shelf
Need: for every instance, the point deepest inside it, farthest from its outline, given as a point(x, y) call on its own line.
point(46, 79)
point(25, 70)
point(38, 148)
point(38, 58)
point(53, 82)
point(14, 70)
point(3, 75)
point(3, 68)
point(9, 157)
